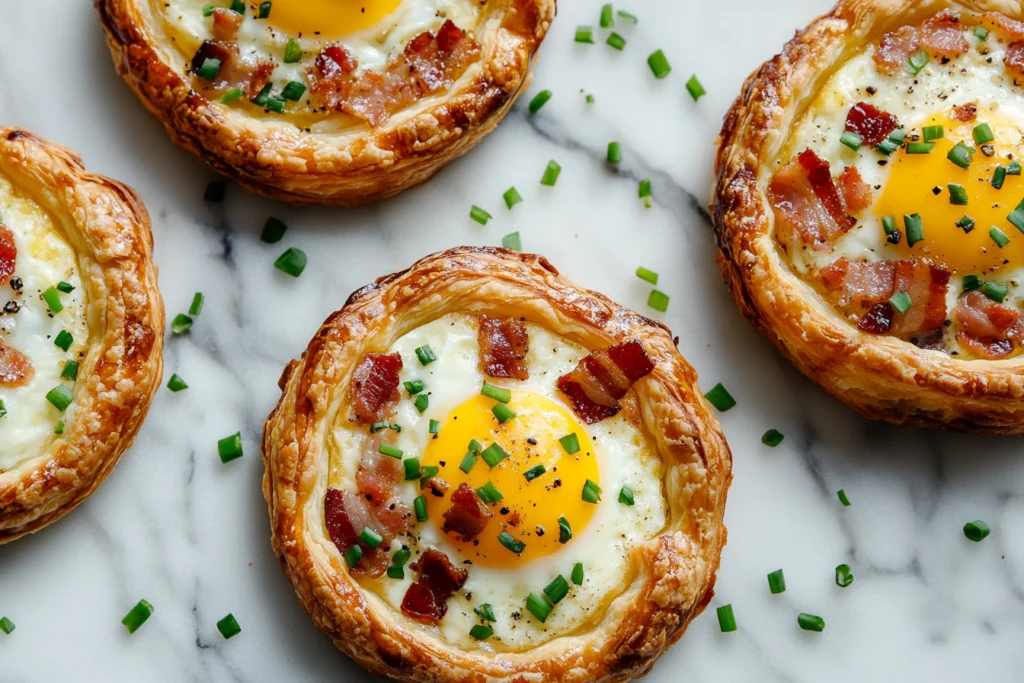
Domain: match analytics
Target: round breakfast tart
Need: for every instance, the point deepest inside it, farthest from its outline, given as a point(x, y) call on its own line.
point(327, 101)
point(870, 208)
point(81, 329)
point(480, 471)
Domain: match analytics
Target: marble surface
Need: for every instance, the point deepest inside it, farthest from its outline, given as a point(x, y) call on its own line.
point(175, 526)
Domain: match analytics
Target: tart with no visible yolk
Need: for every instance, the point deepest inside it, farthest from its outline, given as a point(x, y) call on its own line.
point(479, 470)
point(81, 328)
point(327, 101)
point(870, 209)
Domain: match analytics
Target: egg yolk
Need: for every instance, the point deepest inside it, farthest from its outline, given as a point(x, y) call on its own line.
point(329, 18)
point(919, 183)
point(528, 510)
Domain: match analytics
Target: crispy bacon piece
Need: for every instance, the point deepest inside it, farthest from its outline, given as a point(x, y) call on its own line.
point(894, 51)
point(378, 473)
point(468, 514)
point(1014, 58)
point(964, 112)
point(235, 71)
point(596, 384)
point(855, 192)
point(8, 254)
point(346, 516)
point(429, 64)
point(426, 599)
point(226, 23)
point(988, 329)
point(926, 284)
point(878, 319)
point(858, 283)
point(942, 35)
point(805, 197)
point(503, 347)
point(997, 21)
point(15, 368)
point(870, 122)
point(374, 390)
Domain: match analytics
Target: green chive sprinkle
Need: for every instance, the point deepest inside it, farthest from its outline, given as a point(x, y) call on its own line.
point(512, 241)
point(264, 10)
point(209, 69)
point(982, 134)
point(208, 10)
point(889, 224)
point(539, 100)
point(534, 472)
point(726, 619)
point(591, 492)
point(6, 625)
point(914, 227)
point(60, 396)
point(901, 301)
point(181, 324)
point(844, 577)
point(971, 283)
point(720, 398)
point(481, 632)
point(564, 531)
point(59, 429)
point(957, 194)
point(353, 555)
point(230, 447)
point(626, 495)
point(981, 33)
point(428, 472)
point(292, 261)
point(231, 95)
point(485, 612)
point(420, 506)
point(468, 461)
point(851, 140)
point(490, 493)
point(777, 582)
point(577, 573)
point(197, 304)
point(370, 537)
point(616, 41)
point(412, 468)
point(966, 224)
point(994, 291)
point(550, 176)
point(631, 18)
point(176, 384)
point(842, 498)
point(507, 540)
point(920, 147)
point(65, 287)
point(538, 607)
point(614, 153)
point(606, 16)
point(810, 622)
point(390, 451)
point(644, 192)
point(137, 616)
point(293, 91)
point(228, 627)
point(414, 386)
point(422, 402)
point(1016, 216)
point(960, 154)
point(557, 589)
point(658, 300)
point(292, 52)
point(772, 438)
point(647, 275)
point(659, 64)
point(215, 192)
point(70, 371)
point(479, 215)
point(998, 177)
point(493, 455)
point(694, 87)
point(999, 237)
point(976, 530)
point(63, 340)
point(497, 393)
point(570, 443)
point(512, 197)
point(929, 133)
point(585, 34)
point(589, 97)
point(1013, 168)
point(425, 354)
point(238, 6)
point(264, 96)
point(502, 412)
point(52, 299)
point(917, 62)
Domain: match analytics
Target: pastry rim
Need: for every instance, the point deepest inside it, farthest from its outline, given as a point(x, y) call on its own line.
point(108, 228)
point(340, 169)
point(880, 377)
point(651, 613)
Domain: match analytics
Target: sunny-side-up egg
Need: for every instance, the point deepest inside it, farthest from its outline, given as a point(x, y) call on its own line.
point(551, 456)
point(907, 183)
point(44, 259)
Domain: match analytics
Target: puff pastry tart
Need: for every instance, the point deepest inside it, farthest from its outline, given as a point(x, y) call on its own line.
point(80, 329)
point(328, 101)
point(479, 471)
point(870, 209)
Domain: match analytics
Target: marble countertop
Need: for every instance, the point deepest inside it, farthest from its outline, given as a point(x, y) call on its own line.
point(175, 526)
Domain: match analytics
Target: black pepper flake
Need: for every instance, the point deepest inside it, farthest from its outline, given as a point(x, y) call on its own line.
point(17, 284)
point(894, 237)
point(532, 441)
point(936, 190)
point(11, 307)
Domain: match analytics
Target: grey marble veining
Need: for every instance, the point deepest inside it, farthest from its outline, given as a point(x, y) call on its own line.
point(175, 526)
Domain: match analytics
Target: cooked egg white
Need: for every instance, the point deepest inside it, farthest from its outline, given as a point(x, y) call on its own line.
point(612, 454)
point(44, 259)
point(918, 183)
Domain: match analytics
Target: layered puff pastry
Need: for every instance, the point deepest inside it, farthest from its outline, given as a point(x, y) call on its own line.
point(327, 101)
point(81, 329)
point(869, 209)
point(479, 471)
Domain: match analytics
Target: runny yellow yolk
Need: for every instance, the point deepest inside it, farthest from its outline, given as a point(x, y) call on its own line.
point(328, 18)
point(911, 189)
point(537, 503)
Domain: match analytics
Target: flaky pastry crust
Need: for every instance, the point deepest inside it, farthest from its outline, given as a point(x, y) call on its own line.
point(675, 572)
point(108, 227)
point(879, 376)
point(356, 164)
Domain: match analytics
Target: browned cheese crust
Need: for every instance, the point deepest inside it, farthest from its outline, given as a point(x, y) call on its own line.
point(107, 226)
point(879, 376)
point(356, 165)
point(675, 572)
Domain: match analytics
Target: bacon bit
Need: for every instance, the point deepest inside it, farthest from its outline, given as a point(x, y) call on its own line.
point(894, 51)
point(235, 71)
point(378, 473)
point(226, 23)
point(871, 123)
point(394, 516)
point(426, 600)
point(504, 344)
point(468, 514)
point(428, 65)
point(15, 368)
point(346, 516)
point(513, 519)
point(596, 384)
point(1014, 58)
point(859, 283)
point(374, 391)
point(878, 319)
point(8, 254)
point(855, 192)
point(926, 285)
point(943, 36)
point(997, 21)
point(438, 487)
point(988, 329)
point(964, 112)
point(806, 198)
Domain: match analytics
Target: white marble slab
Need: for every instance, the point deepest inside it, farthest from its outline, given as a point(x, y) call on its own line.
point(177, 527)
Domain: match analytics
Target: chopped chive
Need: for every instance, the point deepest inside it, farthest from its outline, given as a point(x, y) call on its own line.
point(971, 283)
point(616, 41)
point(512, 197)
point(842, 498)
point(481, 632)
point(658, 300)
point(137, 616)
point(420, 506)
point(59, 429)
point(176, 384)
point(512, 241)
point(395, 571)
point(966, 223)
point(1013, 168)
point(976, 530)
point(264, 10)
point(557, 589)
point(6, 625)
point(998, 177)
point(238, 6)
point(353, 555)
point(726, 619)
point(65, 287)
point(475, 446)
point(901, 302)
point(293, 91)
point(851, 140)
point(497, 393)
point(999, 237)
point(550, 176)
point(720, 398)
point(982, 134)
point(772, 438)
point(70, 371)
point(929, 133)
point(897, 136)
point(197, 304)
point(631, 18)
point(181, 324)
point(428, 472)
point(493, 455)
point(644, 192)
point(539, 100)
point(626, 496)
point(422, 402)
point(589, 97)
point(591, 492)
point(425, 354)
point(208, 10)
point(981, 33)
point(887, 147)
point(606, 16)
point(694, 87)
point(263, 96)
point(292, 52)
point(994, 291)
point(1016, 216)
point(60, 396)
point(490, 493)
point(570, 443)
point(292, 261)
point(52, 299)
point(957, 194)
point(390, 451)
point(231, 95)
point(659, 64)
point(777, 582)
point(507, 540)
point(585, 34)
point(273, 231)
point(370, 537)
point(230, 447)
point(485, 612)
point(647, 275)
point(63, 340)
point(577, 573)
point(479, 215)
point(209, 69)
point(810, 622)
point(538, 607)
point(412, 468)
point(844, 577)
point(614, 152)
point(228, 627)
point(276, 104)
point(914, 227)
point(3, 409)
point(920, 147)
point(917, 62)
point(960, 154)
point(889, 224)
point(564, 531)
point(378, 426)
point(534, 472)
point(468, 461)
point(414, 386)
